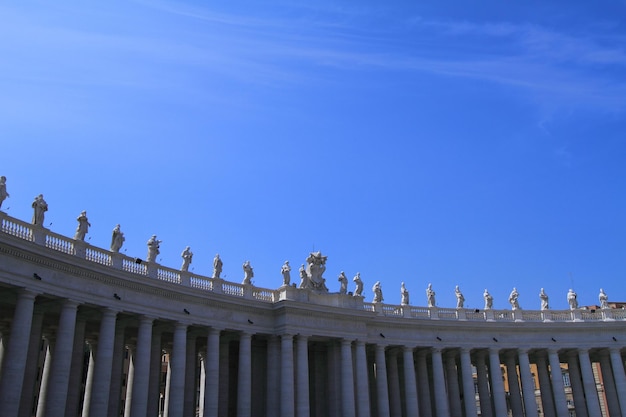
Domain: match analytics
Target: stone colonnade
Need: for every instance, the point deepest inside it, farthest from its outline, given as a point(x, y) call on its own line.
point(62, 358)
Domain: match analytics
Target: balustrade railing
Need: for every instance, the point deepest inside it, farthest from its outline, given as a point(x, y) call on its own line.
point(60, 243)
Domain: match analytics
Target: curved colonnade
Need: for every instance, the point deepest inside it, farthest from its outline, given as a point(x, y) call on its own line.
point(88, 332)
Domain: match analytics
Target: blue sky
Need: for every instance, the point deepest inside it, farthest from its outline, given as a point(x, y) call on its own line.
point(445, 142)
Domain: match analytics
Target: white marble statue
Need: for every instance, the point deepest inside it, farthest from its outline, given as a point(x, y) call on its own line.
point(460, 300)
point(39, 207)
point(604, 299)
point(83, 226)
point(378, 292)
point(217, 266)
point(3, 189)
point(358, 291)
point(316, 265)
point(513, 299)
point(117, 239)
point(343, 283)
point(544, 300)
point(247, 273)
point(285, 270)
point(572, 299)
point(153, 248)
point(404, 295)
point(488, 300)
point(430, 296)
point(304, 279)
point(187, 256)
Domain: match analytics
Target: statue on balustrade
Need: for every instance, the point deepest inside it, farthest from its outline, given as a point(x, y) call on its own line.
point(513, 299)
point(315, 267)
point(604, 299)
point(378, 292)
point(430, 296)
point(3, 189)
point(488, 300)
point(544, 300)
point(572, 299)
point(247, 273)
point(217, 266)
point(286, 271)
point(117, 239)
point(460, 300)
point(358, 291)
point(153, 249)
point(304, 279)
point(404, 295)
point(187, 256)
point(40, 207)
point(343, 283)
point(83, 226)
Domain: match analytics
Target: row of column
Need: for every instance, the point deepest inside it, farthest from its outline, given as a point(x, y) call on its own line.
point(299, 375)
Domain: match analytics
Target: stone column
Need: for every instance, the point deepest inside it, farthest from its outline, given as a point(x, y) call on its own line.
point(130, 380)
point(620, 379)
point(609, 383)
point(115, 391)
point(589, 383)
point(89, 380)
point(30, 374)
point(577, 387)
point(528, 384)
point(439, 383)
point(154, 388)
point(302, 376)
point(497, 385)
point(177, 386)
point(287, 405)
point(273, 377)
point(423, 385)
point(483, 385)
point(14, 362)
point(469, 397)
point(60, 370)
point(393, 383)
point(191, 361)
point(141, 380)
point(452, 376)
point(544, 385)
point(45, 377)
point(381, 382)
point(558, 390)
point(211, 391)
point(104, 365)
point(514, 390)
point(244, 384)
point(410, 386)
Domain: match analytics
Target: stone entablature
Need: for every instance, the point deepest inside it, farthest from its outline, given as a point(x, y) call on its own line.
point(119, 265)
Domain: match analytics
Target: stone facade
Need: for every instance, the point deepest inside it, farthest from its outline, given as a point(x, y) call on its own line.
point(88, 331)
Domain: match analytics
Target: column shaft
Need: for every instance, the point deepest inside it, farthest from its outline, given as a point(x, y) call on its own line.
point(62, 361)
point(577, 387)
point(410, 385)
point(589, 383)
point(423, 385)
point(452, 376)
point(211, 391)
point(141, 380)
point(30, 375)
point(302, 376)
point(287, 405)
point(14, 361)
point(558, 389)
point(514, 391)
point(483, 385)
point(104, 365)
point(115, 390)
point(393, 382)
point(244, 384)
point(191, 361)
point(439, 383)
point(469, 397)
point(381, 382)
point(528, 384)
point(177, 381)
point(544, 385)
point(609, 384)
point(620, 379)
point(497, 386)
